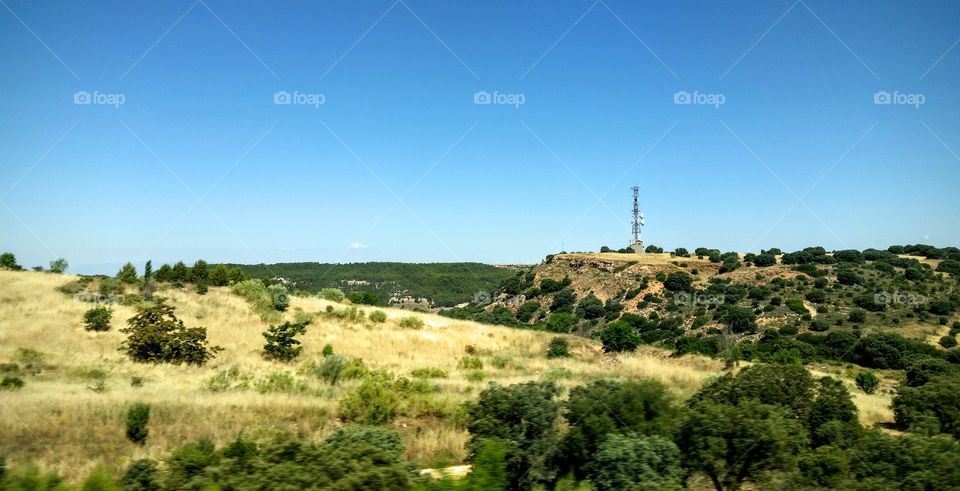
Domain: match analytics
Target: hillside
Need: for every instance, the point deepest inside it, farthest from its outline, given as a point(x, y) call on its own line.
point(69, 415)
point(440, 284)
point(682, 347)
point(776, 309)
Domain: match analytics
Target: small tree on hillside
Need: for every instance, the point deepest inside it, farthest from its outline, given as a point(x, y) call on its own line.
point(137, 418)
point(867, 382)
point(127, 274)
point(155, 335)
point(148, 280)
point(281, 344)
point(619, 336)
point(559, 348)
point(59, 266)
point(98, 319)
point(9, 261)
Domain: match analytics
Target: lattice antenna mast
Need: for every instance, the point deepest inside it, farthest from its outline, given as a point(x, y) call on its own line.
point(638, 221)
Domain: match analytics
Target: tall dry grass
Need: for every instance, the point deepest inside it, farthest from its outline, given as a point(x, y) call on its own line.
point(59, 422)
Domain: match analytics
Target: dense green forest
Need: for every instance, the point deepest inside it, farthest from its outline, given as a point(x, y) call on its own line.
point(443, 284)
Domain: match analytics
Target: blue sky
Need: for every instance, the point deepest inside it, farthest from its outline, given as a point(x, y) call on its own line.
point(400, 163)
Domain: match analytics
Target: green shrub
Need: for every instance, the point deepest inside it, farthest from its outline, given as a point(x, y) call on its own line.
point(501, 361)
point(280, 343)
point(374, 401)
point(858, 316)
point(331, 368)
point(141, 475)
point(332, 294)
point(202, 287)
point(636, 462)
point(229, 379)
point(428, 372)
point(11, 383)
point(327, 350)
point(155, 335)
point(138, 416)
point(378, 316)
point(867, 382)
point(279, 296)
point(98, 319)
point(948, 342)
point(475, 376)
point(561, 322)
point(280, 382)
point(411, 322)
point(470, 363)
point(619, 336)
point(558, 348)
point(796, 305)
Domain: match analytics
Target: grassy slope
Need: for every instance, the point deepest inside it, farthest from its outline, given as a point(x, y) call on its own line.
point(58, 422)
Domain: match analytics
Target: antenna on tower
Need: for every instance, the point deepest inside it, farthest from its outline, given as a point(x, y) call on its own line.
point(638, 222)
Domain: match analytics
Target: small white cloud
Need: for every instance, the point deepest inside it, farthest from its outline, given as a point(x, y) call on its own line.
point(926, 237)
point(358, 245)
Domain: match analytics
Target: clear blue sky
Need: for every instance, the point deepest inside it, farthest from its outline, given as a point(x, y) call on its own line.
point(100, 185)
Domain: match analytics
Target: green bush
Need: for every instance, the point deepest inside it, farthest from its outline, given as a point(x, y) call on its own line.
point(332, 294)
point(279, 296)
point(11, 383)
point(141, 475)
point(428, 372)
point(155, 335)
point(475, 376)
point(374, 401)
point(796, 305)
point(636, 463)
point(561, 322)
point(378, 316)
point(527, 310)
point(521, 416)
point(280, 343)
point(470, 363)
point(138, 416)
point(948, 342)
point(867, 382)
point(619, 336)
point(558, 348)
point(98, 319)
point(411, 322)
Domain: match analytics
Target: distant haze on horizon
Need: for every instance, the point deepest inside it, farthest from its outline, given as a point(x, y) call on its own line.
point(420, 131)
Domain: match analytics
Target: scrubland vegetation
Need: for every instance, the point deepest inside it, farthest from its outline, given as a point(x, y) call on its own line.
point(695, 370)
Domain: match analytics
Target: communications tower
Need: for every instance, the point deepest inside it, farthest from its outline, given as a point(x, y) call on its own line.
point(638, 222)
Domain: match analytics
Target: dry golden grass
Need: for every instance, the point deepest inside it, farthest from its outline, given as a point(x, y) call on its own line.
point(57, 421)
